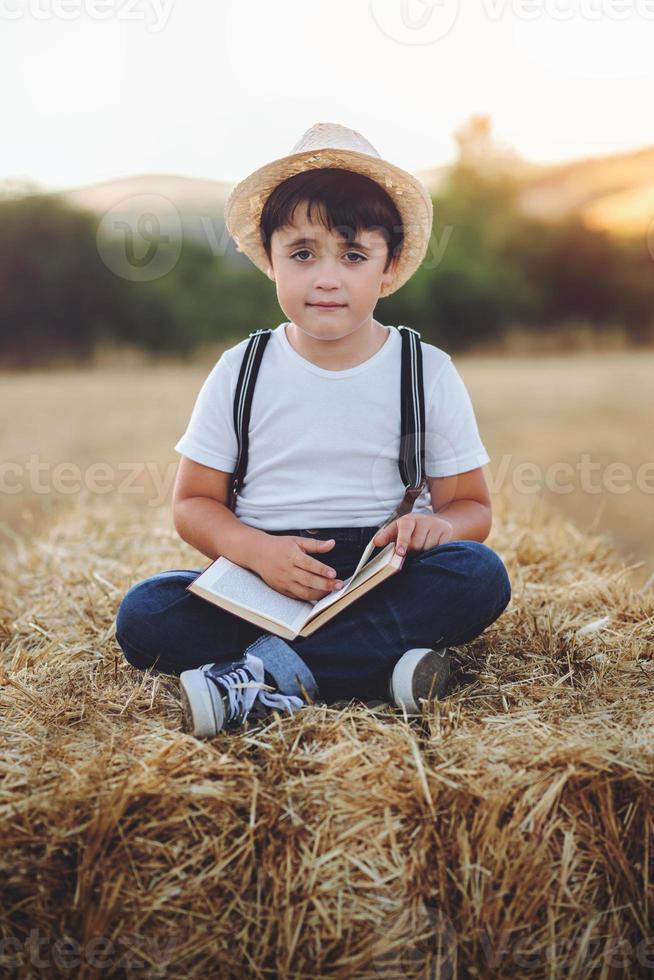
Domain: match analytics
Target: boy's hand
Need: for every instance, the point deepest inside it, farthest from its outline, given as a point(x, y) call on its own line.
point(415, 532)
point(285, 563)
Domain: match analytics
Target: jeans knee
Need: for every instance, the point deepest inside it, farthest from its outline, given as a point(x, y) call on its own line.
point(129, 611)
point(142, 603)
point(489, 573)
point(128, 617)
point(148, 599)
point(152, 616)
point(132, 655)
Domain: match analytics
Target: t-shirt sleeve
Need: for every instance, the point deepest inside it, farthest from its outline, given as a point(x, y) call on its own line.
point(452, 441)
point(210, 438)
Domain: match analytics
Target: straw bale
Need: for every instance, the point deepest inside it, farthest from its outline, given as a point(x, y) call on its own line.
point(505, 831)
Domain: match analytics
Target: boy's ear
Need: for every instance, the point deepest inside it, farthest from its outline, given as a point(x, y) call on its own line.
point(270, 273)
point(390, 272)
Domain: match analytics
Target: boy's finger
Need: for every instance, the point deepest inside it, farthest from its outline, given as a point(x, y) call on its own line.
point(403, 538)
point(405, 530)
point(316, 566)
point(385, 535)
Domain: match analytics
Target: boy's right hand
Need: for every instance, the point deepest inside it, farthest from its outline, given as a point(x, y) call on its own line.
point(285, 562)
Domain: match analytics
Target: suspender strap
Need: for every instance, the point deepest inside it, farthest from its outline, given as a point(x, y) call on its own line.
point(243, 404)
point(412, 439)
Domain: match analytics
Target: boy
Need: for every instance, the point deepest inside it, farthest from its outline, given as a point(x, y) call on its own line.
point(335, 227)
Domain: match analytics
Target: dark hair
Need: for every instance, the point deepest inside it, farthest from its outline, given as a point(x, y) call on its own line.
point(350, 202)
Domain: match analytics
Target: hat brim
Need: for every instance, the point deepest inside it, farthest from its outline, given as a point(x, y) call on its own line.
point(245, 203)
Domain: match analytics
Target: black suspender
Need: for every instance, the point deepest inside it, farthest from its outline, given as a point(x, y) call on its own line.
point(412, 399)
point(412, 439)
point(243, 404)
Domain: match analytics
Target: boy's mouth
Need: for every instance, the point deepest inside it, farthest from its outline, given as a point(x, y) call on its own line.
point(327, 306)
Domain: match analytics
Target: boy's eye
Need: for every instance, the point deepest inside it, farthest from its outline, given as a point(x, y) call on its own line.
point(306, 251)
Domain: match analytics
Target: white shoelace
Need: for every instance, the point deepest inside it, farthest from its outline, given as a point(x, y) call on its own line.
point(286, 702)
point(242, 689)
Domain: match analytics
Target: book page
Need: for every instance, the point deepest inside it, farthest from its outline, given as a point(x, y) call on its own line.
point(355, 579)
point(225, 578)
point(370, 548)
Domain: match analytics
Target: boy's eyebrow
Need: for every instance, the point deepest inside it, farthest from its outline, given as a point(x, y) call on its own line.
point(312, 241)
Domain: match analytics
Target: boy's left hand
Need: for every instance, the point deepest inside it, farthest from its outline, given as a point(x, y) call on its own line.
point(415, 532)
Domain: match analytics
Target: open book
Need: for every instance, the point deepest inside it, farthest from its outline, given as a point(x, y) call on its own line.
point(244, 593)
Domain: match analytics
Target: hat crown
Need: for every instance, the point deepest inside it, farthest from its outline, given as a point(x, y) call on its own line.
point(333, 136)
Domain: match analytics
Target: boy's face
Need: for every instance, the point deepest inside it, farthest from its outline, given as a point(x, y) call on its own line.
point(312, 265)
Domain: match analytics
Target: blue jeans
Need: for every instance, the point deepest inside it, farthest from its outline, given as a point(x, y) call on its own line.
point(444, 596)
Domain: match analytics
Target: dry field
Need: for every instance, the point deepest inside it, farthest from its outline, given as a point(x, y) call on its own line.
point(572, 430)
point(507, 831)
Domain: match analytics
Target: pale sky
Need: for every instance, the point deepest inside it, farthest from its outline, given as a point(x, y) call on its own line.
point(98, 89)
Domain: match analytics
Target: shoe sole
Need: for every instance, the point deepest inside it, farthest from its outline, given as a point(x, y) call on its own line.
point(420, 673)
point(203, 715)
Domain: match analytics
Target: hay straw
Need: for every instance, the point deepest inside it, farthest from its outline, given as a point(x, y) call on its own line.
point(508, 830)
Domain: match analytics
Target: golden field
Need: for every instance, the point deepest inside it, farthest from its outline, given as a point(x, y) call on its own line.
point(573, 430)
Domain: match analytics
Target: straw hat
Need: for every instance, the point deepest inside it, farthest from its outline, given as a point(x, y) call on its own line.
point(332, 145)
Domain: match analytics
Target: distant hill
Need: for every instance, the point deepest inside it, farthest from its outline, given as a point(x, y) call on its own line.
point(435, 177)
point(612, 193)
point(190, 205)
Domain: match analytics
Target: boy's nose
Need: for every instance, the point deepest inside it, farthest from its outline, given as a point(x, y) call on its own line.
point(327, 282)
point(327, 274)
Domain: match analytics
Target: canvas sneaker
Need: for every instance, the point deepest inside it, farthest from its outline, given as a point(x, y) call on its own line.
point(420, 674)
point(220, 696)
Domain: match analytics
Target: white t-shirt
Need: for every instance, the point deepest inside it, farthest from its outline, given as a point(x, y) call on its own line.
point(324, 445)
